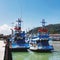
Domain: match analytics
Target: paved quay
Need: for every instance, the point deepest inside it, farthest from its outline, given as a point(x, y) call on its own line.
point(2, 49)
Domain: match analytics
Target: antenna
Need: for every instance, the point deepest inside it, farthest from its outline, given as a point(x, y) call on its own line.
point(21, 13)
point(20, 9)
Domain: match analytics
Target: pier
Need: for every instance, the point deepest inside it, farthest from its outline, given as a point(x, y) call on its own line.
point(2, 49)
point(5, 52)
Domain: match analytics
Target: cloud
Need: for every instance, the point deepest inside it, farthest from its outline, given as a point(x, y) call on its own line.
point(5, 29)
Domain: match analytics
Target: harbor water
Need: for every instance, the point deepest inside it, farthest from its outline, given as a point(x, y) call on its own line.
point(55, 55)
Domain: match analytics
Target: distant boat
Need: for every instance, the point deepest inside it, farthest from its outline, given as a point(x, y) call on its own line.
point(42, 41)
point(18, 41)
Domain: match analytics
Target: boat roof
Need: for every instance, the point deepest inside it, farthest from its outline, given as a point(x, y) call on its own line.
point(35, 39)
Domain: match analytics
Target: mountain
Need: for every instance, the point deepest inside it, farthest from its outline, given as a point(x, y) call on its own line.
point(52, 28)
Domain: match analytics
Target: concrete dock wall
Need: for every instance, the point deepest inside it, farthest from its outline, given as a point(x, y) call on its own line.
point(7, 55)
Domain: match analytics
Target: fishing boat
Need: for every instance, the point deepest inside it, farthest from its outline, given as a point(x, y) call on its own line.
point(18, 40)
point(41, 42)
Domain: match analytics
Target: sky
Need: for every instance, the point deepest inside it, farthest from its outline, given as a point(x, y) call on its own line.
point(32, 12)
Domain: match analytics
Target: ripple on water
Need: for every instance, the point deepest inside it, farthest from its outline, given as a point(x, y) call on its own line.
point(36, 56)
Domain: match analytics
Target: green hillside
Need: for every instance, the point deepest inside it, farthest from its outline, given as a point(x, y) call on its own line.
point(52, 28)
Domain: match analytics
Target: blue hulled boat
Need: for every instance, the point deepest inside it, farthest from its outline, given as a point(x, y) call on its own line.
point(18, 39)
point(42, 41)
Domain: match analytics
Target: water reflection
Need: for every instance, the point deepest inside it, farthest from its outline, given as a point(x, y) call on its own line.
point(55, 56)
point(35, 56)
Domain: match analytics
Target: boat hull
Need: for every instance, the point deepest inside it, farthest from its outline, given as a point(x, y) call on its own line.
point(43, 49)
point(19, 47)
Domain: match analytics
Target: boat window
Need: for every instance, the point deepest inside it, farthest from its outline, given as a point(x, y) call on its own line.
point(44, 42)
point(19, 38)
point(38, 41)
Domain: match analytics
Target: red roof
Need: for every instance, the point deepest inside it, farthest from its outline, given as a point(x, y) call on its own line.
point(17, 28)
point(42, 30)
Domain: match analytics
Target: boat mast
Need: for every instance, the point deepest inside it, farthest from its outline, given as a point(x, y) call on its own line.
point(19, 22)
point(18, 26)
point(43, 23)
point(43, 29)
